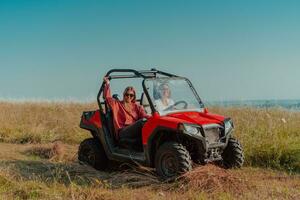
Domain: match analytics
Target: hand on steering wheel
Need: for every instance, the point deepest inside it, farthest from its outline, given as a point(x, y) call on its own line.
point(176, 104)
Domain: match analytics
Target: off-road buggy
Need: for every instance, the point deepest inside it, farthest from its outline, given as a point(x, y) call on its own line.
point(171, 139)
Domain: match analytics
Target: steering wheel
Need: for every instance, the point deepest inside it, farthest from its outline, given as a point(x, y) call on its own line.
point(185, 105)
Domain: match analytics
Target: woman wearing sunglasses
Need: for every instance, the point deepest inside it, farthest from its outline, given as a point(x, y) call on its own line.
point(128, 117)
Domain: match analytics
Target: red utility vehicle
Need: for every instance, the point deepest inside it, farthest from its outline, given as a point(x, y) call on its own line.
point(171, 139)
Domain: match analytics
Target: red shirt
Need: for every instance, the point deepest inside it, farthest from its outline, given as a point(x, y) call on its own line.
point(121, 116)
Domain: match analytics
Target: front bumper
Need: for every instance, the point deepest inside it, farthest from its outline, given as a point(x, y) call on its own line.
point(211, 147)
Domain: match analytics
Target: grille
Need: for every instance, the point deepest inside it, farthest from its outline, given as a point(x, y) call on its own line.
point(212, 134)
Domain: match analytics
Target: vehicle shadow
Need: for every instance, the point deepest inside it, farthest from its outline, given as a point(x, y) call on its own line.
point(80, 174)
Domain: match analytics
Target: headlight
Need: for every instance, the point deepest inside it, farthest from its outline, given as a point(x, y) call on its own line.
point(228, 126)
point(190, 129)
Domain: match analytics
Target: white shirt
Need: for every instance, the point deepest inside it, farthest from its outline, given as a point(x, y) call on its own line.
point(160, 106)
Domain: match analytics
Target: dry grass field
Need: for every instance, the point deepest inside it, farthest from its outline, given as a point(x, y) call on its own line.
point(38, 159)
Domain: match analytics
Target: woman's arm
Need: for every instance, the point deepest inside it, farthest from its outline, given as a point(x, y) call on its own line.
point(171, 102)
point(107, 92)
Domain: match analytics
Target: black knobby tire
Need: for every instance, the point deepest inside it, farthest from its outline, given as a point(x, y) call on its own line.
point(172, 159)
point(233, 156)
point(91, 152)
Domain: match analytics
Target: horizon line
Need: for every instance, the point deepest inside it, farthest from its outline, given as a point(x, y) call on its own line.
point(93, 100)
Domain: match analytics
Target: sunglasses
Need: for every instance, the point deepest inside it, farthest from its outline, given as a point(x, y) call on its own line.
point(129, 95)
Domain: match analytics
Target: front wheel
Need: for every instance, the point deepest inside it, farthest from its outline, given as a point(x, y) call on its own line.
point(233, 155)
point(171, 160)
point(91, 152)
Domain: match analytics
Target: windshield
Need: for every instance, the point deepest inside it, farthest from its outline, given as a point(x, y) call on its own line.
point(172, 95)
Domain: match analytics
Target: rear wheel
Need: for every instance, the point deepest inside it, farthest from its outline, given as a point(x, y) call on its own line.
point(91, 152)
point(233, 156)
point(171, 160)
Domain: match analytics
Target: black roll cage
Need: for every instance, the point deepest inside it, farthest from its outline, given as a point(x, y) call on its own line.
point(145, 74)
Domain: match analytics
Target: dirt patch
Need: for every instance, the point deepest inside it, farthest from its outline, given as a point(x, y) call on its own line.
point(211, 178)
point(11, 151)
point(53, 151)
point(56, 151)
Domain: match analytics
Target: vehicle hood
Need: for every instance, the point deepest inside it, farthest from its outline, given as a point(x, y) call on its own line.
point(197, 118)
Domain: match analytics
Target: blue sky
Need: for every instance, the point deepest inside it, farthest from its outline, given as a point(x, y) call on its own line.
point(230, 50)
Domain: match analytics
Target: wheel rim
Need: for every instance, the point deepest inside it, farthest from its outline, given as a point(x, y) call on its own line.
point(169, 165)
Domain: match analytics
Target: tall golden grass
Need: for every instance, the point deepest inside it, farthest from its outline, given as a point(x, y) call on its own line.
point(42, 122)
point(270, 137)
